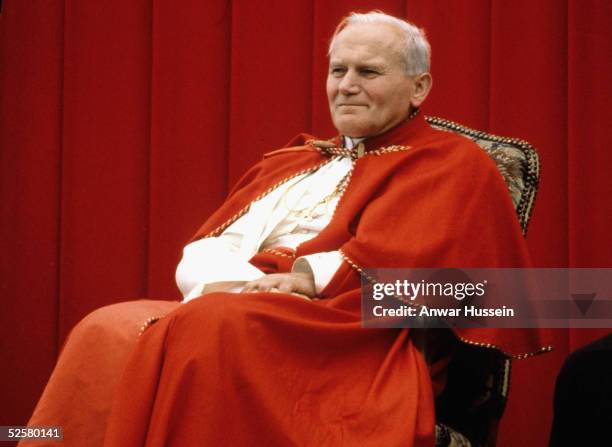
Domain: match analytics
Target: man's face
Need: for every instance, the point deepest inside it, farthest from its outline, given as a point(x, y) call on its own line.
point(367, 86)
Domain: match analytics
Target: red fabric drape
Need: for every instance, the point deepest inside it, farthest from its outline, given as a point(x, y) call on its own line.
point(123, 124)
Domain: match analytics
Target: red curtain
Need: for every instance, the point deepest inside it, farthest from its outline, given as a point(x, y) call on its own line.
point(122, 125)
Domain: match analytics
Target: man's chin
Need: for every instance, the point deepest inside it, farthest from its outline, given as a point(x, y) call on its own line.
point(354, 130)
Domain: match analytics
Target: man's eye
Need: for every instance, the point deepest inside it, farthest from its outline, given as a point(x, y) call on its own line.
point(369, 73)
point(337, 71)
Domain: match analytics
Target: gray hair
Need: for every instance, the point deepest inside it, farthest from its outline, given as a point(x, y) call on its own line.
point(416, 51)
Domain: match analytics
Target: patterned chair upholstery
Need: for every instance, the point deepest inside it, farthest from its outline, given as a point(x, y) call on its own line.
point(517, 161)
point(474, 398)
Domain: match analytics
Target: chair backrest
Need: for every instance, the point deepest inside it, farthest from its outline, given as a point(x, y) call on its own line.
point(517, 161)
point(476, 393)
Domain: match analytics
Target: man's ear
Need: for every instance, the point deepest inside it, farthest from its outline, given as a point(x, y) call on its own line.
point(422, 86)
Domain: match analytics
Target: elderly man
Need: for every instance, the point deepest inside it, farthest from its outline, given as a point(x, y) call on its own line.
point(376, 81)
point(269, 349)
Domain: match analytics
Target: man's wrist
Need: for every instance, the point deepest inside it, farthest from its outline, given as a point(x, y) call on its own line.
point(322, 266)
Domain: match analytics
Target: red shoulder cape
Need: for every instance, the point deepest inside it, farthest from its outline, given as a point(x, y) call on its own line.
point(419, 197)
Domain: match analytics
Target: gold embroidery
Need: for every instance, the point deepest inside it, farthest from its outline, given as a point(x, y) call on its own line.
point(148, 323)
point(279, 253)
point(355, 153)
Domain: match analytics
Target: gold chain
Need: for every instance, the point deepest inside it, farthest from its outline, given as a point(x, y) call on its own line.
point(308, 212)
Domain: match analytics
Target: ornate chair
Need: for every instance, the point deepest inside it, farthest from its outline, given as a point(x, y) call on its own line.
point(474, 398)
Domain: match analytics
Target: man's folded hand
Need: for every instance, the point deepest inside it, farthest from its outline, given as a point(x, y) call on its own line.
point(301, 284)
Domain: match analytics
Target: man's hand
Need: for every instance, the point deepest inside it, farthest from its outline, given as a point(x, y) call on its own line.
point(301, 284)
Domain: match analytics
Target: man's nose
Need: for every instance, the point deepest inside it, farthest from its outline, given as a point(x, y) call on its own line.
point(349, 85)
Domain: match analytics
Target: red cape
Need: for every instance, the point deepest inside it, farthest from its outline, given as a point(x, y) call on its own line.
point(437, 202)
point(274, 369)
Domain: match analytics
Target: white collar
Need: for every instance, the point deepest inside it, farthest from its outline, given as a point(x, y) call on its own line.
point(350, 142)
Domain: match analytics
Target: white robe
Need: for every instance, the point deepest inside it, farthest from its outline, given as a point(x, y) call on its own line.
point(221, 263)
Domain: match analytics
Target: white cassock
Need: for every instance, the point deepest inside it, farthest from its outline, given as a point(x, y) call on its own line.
point(277, 220)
